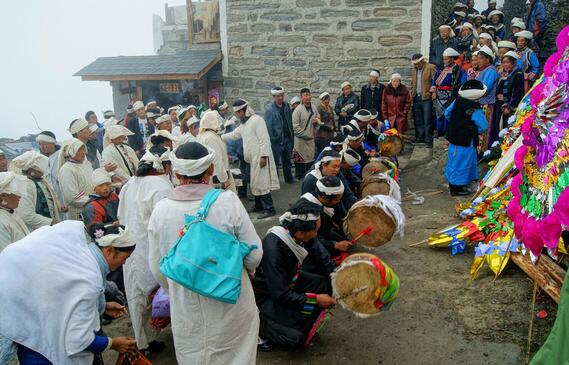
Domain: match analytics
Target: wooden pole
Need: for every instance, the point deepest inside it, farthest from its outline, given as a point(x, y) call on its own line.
point(531, 316)
point(547, 274)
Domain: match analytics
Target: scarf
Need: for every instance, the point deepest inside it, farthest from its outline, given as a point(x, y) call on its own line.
point(329, 211)
point(284, 235)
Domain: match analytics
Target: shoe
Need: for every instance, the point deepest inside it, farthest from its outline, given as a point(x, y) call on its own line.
point(264, 346)
point(458, 190)
point(267, 215)
point(430, 145)
point(255, 210)
point(291, 181)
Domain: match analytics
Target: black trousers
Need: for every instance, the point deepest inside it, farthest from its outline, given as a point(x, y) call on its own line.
point(282, 155)
point(265, 202)
point(301, 169)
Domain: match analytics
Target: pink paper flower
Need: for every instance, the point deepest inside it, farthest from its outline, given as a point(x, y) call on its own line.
point(550, 231)
point(562, 40)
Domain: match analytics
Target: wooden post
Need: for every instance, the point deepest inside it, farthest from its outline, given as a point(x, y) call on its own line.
point(547, 273)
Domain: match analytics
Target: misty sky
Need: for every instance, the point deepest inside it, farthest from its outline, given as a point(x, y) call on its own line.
point(45, 42)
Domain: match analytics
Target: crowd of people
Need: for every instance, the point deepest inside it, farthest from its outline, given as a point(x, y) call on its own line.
point(97, 216)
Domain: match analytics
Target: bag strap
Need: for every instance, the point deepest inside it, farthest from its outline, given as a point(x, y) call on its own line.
point(209, 198)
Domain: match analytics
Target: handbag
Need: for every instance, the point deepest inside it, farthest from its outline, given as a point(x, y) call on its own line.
point(206, 260)
point(132, 358)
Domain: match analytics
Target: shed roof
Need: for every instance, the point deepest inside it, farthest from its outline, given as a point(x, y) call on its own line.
point(190, 65)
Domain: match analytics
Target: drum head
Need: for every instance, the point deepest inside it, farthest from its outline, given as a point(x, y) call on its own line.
point(361, 216)
point(374, 186)
point(374, 166)
point(390, 146)
point(357, 284)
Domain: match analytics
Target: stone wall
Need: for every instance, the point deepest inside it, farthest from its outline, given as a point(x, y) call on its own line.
point(316, 43)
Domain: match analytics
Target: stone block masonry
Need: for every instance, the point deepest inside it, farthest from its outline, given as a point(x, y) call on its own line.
point(315, 43)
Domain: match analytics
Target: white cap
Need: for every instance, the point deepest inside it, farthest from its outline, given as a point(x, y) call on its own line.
point(507, 44)
point(374, 73)
point(495, 12)
point(520, 25)
point(395, 76)
point(323, 95)
point(210, 120)
point(122, 239)
point(101, 176)
point(162, 119)
point(460, 13)
point(450, 52)
point(524, 34)
point(277, 90)
point(117, 130)
point(137, 105)
point(9, 183)
point(31, 160)
point(345, 84)
point(485, 36)
point(512, 54)
point(175, 107)
point(295, 100)
point(488, 51)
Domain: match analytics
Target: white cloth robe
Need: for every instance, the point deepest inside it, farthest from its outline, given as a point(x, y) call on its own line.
point(136, 202)
point(111, 154)
point(27, 208)
point(76, 182)
point(60, 318)
point(221, 162)
point(12, 228)
point(207, 331)
point(257, 144)
point(51, 174)
point(303, 130)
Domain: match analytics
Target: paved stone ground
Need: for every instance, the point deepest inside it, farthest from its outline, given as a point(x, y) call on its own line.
point(440, 317)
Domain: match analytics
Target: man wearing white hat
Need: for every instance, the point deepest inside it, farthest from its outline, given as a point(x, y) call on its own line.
point(279, 125)
point(209, 128)
point(118, 153)
point(294, 102)
point(39, 205)
point(229, 330)
point(347, 104)
point(489, 77)
point(140, 127)
point(372, 92)
point(103, 204)
point(421, 79)
point(49, 148)
point(12, 227)
point(496, 18)
point(504, 47)
point(528, 62)
point(466, 122)
point(82, 130)
point(164, 123)
point(445, 39)
point(491, 7)
point(509, 92)
point(258, 154)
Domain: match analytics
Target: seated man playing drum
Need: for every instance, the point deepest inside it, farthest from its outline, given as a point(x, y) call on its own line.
point(292, 285)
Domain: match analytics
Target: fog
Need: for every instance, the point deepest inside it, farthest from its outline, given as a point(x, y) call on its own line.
point(45, 42)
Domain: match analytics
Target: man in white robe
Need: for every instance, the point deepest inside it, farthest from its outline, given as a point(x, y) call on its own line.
point(258, 154)
point(39, 205)
point(118, 153)
point(209, 128)
point(49, 148)
point(206, 331)
point(137, 199)
point(75, 177)
point(12, 227)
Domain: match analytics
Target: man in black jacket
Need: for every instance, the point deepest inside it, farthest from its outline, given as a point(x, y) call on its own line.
point(372, 93)
point(278, 117)
point(141, 128)
point(347, 104)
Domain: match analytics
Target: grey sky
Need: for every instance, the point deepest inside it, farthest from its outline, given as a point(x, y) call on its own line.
point(45, 42)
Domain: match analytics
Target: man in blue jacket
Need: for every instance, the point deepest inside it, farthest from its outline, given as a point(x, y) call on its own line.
point(278, 117)
point(537, 21)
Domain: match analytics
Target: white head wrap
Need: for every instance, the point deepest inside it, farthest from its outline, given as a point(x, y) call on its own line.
point(152, 115)
point(363, 115)
point(524, 34)
point(395, 76)
point(418, 60)
point(163, 133)
point(519, 24)
point(78, 125)
point(330, 158)
point(162, 119)
point(506, 44)
point(156, 161)
point(70, 147)
point(122, 239)
point(323, 95)
point(223, 106)
point(485, 36)
point(488, 51)
point(175, 107)
point(450, 52)
point(374, 73)
point(115, 131)
point(31, 160)
point(473, 94)
point(8, 183)
point(277, 91)
point(100, 176)
point(330, 190)
point(460, 13)
point(192, 167)
point(108, 114)
point(110, 121)
point(295, 100)
point(210, 120)
point(289, 217)
point(349, 158)
point(138, 105)
point(451, 34)
point(45, 138)
point(512, 54)
point(495, 12)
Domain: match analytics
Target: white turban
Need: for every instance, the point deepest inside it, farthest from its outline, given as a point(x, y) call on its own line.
point(175, 107)
point(192, 167)
point(295, 100)
point(70, 147)
point(418, 60)
point(155, 160)
point(45, 138)
point(210, 120)
point(101, 176)
point(349, 158)
point(374, 73)
point(289, 217)
point(277, 91)
point(323, 95)
point(115, 131)
point(119, 240)
point(485, 36)
point(330, 190)
point(9, 183)
point(138, 105)
point(78, 125)
point(31, 160)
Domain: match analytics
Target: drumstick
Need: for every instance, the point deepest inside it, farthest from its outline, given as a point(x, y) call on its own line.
point(361, 234)
point(355, 291)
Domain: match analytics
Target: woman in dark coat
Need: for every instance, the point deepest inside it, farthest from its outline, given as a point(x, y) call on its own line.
point(396, 103)
point(509, 93)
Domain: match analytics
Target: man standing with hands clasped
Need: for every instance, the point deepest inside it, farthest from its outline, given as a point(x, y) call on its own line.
point(258, 154)
point(304, 120)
